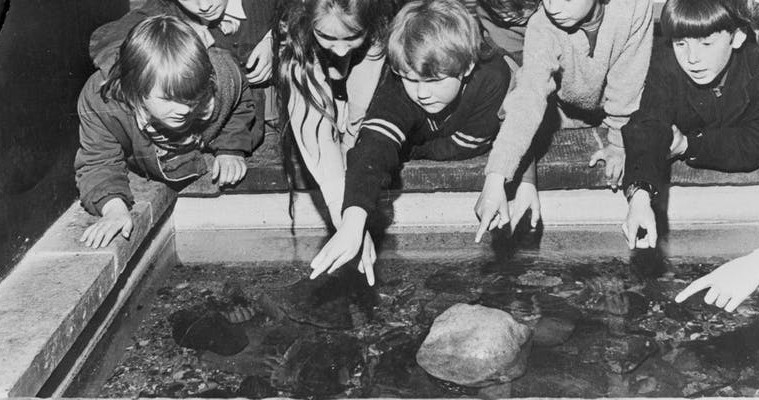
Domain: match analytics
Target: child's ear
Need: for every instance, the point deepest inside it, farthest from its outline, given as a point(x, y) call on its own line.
point(738, 38)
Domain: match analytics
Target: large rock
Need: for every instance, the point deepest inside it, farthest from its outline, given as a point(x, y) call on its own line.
point(472, 345)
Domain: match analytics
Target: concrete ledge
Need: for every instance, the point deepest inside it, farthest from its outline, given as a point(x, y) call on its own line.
point(49, 297)
point(687, 205)
point(564, 166)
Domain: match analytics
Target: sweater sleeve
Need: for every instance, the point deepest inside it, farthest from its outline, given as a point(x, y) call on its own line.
point(627, 74)
point(376, 155)
point(648, 134)
point(100, 163)
point(479, 126)
point(525, 106)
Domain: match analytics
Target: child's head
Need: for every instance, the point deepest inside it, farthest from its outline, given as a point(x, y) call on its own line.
point(511, 12)
point(205, 10)
point(704, 34)
point(568, 14)
point(164, 72)
point(337, 26)
point(433, 45)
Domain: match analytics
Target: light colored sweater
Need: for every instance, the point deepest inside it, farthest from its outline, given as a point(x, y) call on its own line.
point(611, 80)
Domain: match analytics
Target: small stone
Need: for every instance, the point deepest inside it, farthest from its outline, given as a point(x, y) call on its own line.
point(182, 285)
point(143, 343)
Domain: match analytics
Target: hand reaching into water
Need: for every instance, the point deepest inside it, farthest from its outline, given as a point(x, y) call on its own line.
point(729, 285)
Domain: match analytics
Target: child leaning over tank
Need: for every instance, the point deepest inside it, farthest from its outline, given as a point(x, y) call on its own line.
point(243, 27)
point(330, 60)
point(585, 58)
point(165, 99)
point(701, 105)
point(438, 100)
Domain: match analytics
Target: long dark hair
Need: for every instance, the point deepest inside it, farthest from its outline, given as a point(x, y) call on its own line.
point(299, 56)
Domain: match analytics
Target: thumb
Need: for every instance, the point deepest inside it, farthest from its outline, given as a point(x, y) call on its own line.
point(215, 170)
point(595, 158)
point(484, 222)
point(535, 215)
point(503, 211)
point(126, 230)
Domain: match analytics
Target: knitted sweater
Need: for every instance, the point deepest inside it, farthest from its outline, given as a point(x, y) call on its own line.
point(558, 61)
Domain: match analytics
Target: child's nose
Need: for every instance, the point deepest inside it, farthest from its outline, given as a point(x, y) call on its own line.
point(422, 90)
point(340, 49)
point(693, 55)
point(206, 5)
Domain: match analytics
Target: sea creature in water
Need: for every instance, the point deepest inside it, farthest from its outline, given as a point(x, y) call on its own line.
point(321, 364)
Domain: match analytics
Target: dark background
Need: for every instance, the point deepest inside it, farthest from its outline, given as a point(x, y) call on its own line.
point(43, 65)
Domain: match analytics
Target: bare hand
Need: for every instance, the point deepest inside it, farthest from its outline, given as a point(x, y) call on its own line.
point(260, 61)
point(729, 285)
point(640, 215)
point(343, 246)
point(679, 143)
point(525, 199)
point(492, 207)
point(229, 169)
point(614, 158)
point(115, 219)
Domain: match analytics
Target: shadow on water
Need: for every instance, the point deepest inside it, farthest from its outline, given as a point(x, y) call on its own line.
point(601, 328)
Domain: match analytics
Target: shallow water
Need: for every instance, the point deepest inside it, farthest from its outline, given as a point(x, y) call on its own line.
point(336, 337)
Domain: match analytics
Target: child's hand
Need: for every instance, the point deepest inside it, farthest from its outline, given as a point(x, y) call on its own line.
point(344, 245)
point(491, 208)
point(729, 284)
point(525, 199)
point(614, 158)
point(115, 219)
point(229, 169)
point(640, 215)
point(679, 143)
point(368, 257)
point(260, 61)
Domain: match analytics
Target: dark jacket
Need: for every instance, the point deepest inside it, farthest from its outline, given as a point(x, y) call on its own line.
point(110, 139)
point(106, 40)
point(722, 131)
point(394, 125)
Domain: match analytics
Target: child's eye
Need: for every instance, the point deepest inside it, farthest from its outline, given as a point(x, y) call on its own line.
point(679, 44)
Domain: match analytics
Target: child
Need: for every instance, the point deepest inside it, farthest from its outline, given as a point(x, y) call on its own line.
point(242, 27)
point(330, 60)
point(593, 55)
point(701, 103)
point(165, 98)
point(441, 101)
point(503, 22)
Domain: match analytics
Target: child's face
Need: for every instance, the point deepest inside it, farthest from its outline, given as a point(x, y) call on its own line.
point(171, 114)
point(703, 59)
point(568, 13)
point(431, 94)
point(335, 36)
point(206, 10)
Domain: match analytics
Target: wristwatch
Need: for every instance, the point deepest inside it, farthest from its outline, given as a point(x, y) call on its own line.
point(640, 185)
